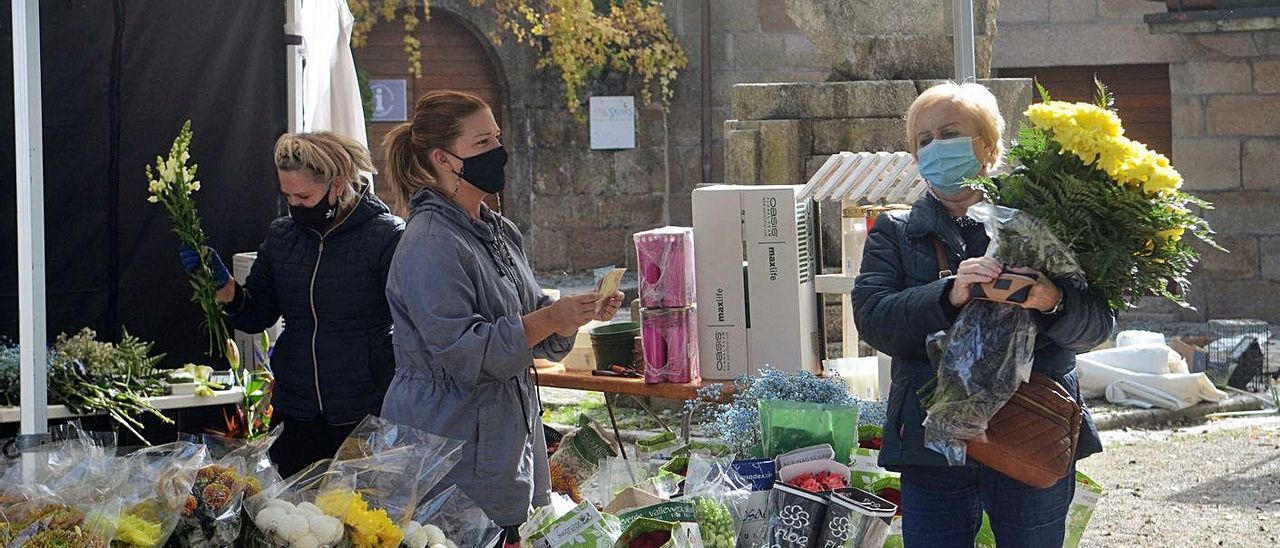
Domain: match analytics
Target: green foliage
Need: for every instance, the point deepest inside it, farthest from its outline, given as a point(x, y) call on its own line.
point(92, 376)
point(1113, 229)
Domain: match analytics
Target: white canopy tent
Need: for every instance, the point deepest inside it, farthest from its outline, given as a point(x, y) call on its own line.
point(322, 97)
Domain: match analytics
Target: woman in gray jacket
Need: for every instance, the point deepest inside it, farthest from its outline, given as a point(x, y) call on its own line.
point(469, 316)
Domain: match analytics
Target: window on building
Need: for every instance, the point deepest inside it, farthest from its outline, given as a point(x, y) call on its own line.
point(1142, 95)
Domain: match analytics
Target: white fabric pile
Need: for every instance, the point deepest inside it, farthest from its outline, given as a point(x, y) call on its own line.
point(1141, 371)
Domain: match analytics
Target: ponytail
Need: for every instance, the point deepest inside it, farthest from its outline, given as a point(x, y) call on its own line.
point(436, 123)
point(404, 173)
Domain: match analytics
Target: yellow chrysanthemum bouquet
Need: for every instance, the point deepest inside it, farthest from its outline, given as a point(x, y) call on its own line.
point(1115, 203)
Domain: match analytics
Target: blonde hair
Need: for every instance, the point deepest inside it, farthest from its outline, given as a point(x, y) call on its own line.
point(328, 156)
point(977, 102)
point(436, 123)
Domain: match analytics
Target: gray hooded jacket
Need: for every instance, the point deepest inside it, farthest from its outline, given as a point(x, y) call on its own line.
point(462, 360)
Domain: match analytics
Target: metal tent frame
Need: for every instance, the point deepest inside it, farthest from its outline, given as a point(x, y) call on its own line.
point(29, 148)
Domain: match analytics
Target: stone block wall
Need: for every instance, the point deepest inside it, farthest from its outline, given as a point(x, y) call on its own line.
point(1225, 107)
point(1226, 143)
point(584, 204)
point(783, 133)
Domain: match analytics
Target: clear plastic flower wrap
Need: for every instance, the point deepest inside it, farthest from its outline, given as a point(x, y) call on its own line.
point(211, 515)
point(285, 514)
point(719, 496)
point(70, 498)
point(378, 477)
point(616, 474)
point(158, 481)
point(37, 517)
point(453, 520)
point(988, 352)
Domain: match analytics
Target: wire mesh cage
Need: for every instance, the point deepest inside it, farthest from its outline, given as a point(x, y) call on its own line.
point(1238, 355)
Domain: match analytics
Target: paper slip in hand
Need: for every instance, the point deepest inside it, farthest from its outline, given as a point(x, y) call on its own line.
point(609, 285)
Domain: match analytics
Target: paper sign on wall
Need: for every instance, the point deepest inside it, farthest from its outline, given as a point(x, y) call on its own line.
point(613, 123)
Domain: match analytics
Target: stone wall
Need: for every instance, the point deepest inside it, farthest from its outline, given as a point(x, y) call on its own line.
point(586, 204)
point(782, 133)
point(1225, 92)
point(578, 207)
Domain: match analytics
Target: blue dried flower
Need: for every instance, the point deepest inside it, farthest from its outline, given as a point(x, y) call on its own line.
point(737, 423)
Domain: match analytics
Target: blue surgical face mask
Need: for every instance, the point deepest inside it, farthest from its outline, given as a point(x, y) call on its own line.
point(947, 162)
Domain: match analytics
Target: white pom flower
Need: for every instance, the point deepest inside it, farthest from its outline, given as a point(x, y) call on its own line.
point(328, 530)
point(309, 509)
point(293, 527)
point(268, 519)
point(307, 541)
point(285, 505)
point(412, 528)
point(435, 534)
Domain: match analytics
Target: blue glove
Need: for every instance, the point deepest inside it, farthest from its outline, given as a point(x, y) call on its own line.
point(191, 262)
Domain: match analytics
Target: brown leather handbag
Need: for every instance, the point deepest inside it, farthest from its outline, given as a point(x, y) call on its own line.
point(1032, 438)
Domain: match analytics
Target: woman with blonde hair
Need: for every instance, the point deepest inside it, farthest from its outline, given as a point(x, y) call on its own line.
point(470, 317)
point(918, 267)
point(324, 269)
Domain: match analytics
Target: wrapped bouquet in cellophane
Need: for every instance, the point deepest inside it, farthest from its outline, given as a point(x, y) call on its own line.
point(211, 514)
point(158, 482)
point(365, 496)
point(69, 498)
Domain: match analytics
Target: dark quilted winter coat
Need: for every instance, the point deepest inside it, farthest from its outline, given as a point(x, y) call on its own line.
point(334, 358)
point(899, 301)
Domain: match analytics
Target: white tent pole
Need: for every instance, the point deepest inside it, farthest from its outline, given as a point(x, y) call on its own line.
point(29, 145)
point(293, 62)
point(962, 31)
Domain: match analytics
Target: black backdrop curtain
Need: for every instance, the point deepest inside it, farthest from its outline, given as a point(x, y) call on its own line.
point(119, 79)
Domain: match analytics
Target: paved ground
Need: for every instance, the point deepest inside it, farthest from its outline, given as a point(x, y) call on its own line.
point(1216, 484)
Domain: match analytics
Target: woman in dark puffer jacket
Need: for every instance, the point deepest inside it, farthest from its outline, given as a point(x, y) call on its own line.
point(324, 269)
point(903, 295)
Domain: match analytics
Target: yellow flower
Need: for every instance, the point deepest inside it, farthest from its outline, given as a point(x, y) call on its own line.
point(1096, 136)
point(156, 187)
point(153, 199)
point(195, 186)
point(335, 503)
point(1171, 235)
point(370, 528)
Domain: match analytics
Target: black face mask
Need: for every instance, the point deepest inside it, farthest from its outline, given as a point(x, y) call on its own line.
point(485, 171)
point(318, 216)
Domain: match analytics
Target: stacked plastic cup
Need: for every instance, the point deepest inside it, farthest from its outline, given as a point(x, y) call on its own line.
point(668, 315)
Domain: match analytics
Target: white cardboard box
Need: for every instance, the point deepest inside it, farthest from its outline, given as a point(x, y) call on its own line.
point(241, 265)
point(721, 286)
point(783, 304)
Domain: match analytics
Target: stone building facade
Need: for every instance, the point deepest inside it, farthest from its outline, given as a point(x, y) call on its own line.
point(579, 207)
point(1210, 100)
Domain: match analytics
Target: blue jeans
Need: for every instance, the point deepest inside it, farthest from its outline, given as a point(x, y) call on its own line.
point(942, 507)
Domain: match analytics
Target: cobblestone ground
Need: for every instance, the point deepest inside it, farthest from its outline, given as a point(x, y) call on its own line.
point(1212, 485)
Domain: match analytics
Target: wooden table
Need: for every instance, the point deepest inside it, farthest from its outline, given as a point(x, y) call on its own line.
point(552, 375)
